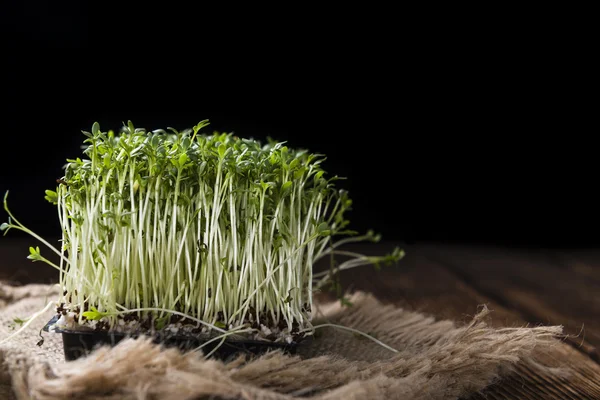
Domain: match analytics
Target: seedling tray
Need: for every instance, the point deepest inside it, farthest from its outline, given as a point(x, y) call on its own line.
point(80, 343)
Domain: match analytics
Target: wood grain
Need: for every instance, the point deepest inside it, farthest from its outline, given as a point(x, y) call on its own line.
point(533, 284)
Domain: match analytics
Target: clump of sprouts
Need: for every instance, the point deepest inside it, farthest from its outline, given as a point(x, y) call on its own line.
point(221, 230)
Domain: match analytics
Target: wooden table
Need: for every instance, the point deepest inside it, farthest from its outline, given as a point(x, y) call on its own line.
point(521, 286)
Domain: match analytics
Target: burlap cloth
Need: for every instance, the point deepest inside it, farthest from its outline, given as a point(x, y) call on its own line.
point(436, 359)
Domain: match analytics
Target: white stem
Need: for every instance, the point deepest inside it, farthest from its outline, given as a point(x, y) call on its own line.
point(345, 328)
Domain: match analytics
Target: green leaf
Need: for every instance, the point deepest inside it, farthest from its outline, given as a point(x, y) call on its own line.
point(51, 196)
point(95, 128)
point(319, 175)
point(34, 254)
point(200, 125)
point(222, 150)
point(294, 163)
point(160, 323)
point(286, 186)
point(94, 314)
point(182, 159)
point(323, 229)
point(185, 143)
point(345, 302)
point(397, 255)
point(20, 321)
point(220, 324)
point(4, 226)
point(299, 173)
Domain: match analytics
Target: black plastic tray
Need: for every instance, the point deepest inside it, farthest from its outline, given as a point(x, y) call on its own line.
point(79, 343)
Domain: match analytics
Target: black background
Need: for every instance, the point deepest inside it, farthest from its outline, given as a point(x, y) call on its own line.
point(452, 137)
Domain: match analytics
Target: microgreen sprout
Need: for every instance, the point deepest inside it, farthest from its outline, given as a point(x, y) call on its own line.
point(93, 314)
point(214, 228)
point(17, 321)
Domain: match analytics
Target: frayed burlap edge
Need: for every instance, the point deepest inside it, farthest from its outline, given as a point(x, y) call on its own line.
point(435, 360)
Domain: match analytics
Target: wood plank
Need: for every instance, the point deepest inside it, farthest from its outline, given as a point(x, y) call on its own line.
point(534, 284)
point(584, 264)
point(419, 283)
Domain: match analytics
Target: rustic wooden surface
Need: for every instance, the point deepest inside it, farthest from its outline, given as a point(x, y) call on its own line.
point(521, 286)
